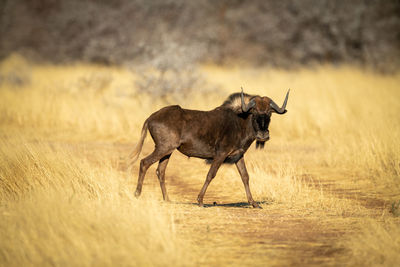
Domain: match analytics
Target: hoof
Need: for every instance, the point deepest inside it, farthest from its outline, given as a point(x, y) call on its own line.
point(137, 194)
point(256, 206)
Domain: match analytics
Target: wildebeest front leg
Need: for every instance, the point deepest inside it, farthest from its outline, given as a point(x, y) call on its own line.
point(216, 163)
point(162, 165)
point(245, 178)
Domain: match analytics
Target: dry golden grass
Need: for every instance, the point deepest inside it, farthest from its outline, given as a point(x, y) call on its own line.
point(57, 210)
point(377, 244)
point(333, 161)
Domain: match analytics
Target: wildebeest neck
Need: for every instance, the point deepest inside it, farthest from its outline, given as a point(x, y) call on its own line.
point(249, 133)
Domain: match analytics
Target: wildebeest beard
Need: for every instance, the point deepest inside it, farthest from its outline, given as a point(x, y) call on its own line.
point(260, 144)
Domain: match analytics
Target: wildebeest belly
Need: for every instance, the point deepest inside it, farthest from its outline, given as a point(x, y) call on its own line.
point(190, 151)
point(197, 149)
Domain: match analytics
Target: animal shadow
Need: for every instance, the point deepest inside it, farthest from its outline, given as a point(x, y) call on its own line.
point(245, 205)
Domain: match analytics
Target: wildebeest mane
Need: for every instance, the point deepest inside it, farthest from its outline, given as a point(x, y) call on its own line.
point(234, 101)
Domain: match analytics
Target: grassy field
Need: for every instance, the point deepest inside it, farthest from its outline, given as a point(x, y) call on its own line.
point(328, 180)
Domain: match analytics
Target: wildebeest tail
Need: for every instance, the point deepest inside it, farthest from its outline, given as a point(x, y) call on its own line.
point(136, 152)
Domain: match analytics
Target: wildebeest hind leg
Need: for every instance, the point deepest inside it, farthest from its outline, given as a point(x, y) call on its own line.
point(162, 165)
point(146, 163)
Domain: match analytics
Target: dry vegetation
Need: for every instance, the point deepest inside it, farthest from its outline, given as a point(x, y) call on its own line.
point(283, 33)
point(326, 180)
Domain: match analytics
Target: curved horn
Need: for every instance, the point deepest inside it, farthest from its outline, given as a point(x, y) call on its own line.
point(276, 108)
point(245, 107)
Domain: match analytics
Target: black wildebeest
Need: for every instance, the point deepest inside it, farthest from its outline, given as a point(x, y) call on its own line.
point(220, 135)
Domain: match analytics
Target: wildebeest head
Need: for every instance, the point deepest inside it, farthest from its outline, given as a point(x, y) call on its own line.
point(262, 108)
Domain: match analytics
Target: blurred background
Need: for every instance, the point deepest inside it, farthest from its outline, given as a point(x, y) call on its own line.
point(178, 33)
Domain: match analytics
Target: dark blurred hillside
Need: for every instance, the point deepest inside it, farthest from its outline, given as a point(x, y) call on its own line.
point(279, 33)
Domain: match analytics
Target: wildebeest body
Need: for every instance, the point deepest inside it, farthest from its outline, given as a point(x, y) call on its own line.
point(221, 135)
point(201, 134)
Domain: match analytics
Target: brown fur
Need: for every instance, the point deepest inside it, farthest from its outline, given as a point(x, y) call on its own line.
point(221, 135)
